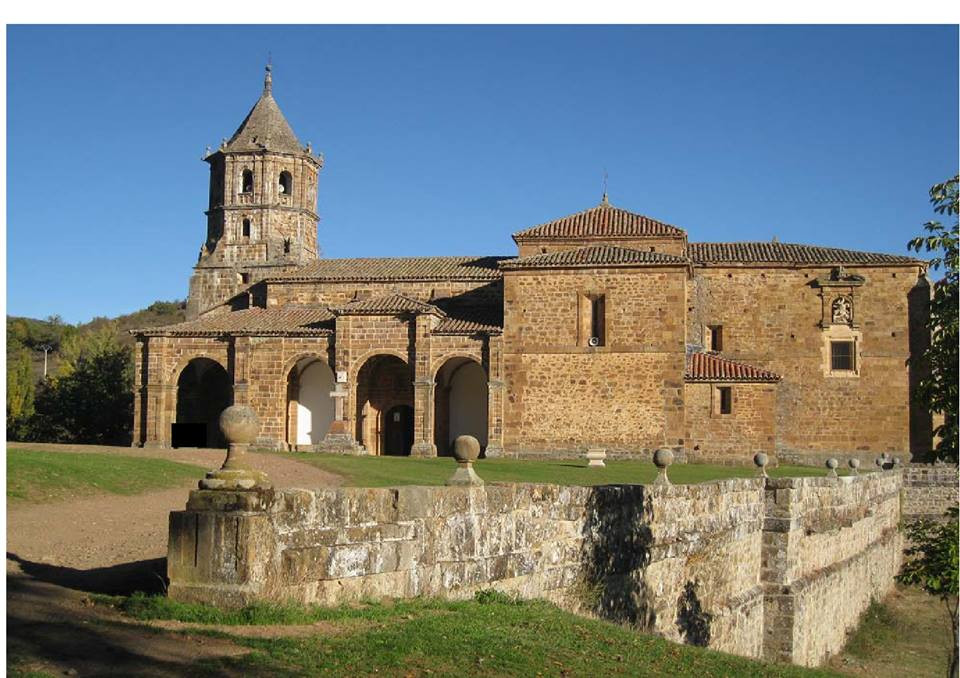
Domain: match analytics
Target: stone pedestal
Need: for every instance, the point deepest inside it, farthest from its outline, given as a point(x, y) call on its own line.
point(595, 457)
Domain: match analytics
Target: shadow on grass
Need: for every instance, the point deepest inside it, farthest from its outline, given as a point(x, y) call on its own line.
point(124, 579)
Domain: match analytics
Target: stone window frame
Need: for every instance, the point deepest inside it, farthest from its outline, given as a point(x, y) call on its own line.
point(586, 311)
point(716, 401)
point(841, 333)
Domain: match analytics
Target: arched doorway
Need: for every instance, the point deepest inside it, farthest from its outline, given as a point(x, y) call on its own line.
point(384, 414)
point(203, 392)
point(309, 406)
point(460, 403)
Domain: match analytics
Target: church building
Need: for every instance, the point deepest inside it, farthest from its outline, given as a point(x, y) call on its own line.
point(605, 329)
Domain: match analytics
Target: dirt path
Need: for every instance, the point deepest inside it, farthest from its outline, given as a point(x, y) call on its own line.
point(107, 530)
point(57, 552)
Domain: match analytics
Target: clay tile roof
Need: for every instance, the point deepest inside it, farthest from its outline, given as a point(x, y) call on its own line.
point(264, 128)
point(469, 319)
point(593, 256)
point(302, 321)
point(710, 367)
point(602, 220)
point(386, 305)
point(396, 269)
point(781, 252)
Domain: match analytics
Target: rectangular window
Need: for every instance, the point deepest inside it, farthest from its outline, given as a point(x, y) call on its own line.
point(726, 399)
point(592, 329)
point(841, 356)
point(244, 278)
point(716, 337)
point(596, 320)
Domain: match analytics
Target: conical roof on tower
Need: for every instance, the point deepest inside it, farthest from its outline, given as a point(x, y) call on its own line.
point(264, 128)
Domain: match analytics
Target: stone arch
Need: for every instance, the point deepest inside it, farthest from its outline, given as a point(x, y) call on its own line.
point(384, 404)
point(460, 402)
point(174, 374)
point(310, 409)
point(204, 390)
point(364, 358)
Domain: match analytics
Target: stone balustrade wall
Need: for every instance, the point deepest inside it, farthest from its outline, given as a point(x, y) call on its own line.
point(749, 566)
point(929, 490)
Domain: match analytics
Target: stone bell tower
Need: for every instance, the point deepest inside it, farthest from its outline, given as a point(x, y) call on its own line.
point(262, 215)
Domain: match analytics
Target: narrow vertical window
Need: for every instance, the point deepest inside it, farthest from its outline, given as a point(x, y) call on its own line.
point(726, 399)
point(246, 181)
point(841, 356)
point(286, 245)
point(597, 320)
point(246, 228)
point(716, 337)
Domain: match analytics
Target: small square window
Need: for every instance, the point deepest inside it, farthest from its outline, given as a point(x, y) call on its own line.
point(244, 278)
point(841, 356)
point(726, 399)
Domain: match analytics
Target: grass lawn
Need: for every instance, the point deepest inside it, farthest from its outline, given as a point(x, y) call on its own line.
point(491, 635)
point(369, 471)
point(40, 476)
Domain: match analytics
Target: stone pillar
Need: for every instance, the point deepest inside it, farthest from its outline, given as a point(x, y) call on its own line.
point(423, 445)
point(161, 402)
point(495, 390)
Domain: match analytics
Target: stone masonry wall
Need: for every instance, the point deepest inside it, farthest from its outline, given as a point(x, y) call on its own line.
point(736, 437)
point(770, 318)
point(829, 547)
point(776, 568)
point(626, 395)
point(928, 491)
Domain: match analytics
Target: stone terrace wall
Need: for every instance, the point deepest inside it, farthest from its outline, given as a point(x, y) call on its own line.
point(728, 565)
point(928, 491)
point(829, 547)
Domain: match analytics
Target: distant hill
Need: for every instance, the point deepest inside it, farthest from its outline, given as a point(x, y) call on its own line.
point(32, 334)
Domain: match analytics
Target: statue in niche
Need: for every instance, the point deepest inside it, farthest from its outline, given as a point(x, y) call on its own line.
point(842, 311)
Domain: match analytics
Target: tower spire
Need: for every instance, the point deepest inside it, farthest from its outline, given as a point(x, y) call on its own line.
point(268, 78)
point(605, 200)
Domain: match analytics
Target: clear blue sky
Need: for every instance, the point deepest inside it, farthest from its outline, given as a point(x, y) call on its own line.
point(445, 140)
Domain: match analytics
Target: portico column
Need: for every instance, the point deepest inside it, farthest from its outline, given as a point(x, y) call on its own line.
point(161, 400)
point(423, 445)
point(495, 390)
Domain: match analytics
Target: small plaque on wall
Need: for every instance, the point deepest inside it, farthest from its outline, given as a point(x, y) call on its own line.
point(341, 377)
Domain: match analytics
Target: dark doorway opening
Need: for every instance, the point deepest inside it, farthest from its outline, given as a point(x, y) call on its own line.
point(398, 430)
point(203, 392)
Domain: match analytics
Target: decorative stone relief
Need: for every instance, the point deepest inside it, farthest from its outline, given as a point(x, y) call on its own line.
point(842, 311)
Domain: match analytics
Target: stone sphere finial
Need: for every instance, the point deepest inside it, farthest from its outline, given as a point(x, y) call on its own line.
point(240, 424)
point(896, 462)
point(662, 458)
point(761, 460)
point(854, 465)
point(832, 464)
point(466, 449)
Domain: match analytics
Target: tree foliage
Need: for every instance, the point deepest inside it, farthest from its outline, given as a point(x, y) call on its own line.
point(90, 400)
point(938, 389)
point(20, 392)
point(932, 565)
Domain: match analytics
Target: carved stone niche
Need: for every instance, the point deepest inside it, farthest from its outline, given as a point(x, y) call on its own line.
point(837, 297)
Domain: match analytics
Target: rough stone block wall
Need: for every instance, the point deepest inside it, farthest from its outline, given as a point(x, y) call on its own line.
point(771, 317)
point(626, 395)
point(829, 547)
point(928, 491)
point(778, 568)
point(748, 429)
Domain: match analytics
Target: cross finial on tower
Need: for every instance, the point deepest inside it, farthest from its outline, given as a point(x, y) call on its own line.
point(605, 200)
point(268, 78)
